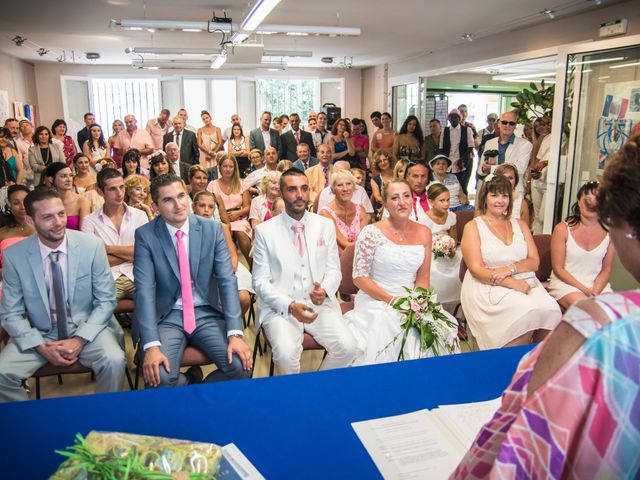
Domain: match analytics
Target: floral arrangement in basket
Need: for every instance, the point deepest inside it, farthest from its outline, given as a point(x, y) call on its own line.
point(422, 311)
point(443, 246)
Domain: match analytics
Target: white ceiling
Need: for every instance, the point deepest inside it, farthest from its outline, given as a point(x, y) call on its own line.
point(391, 30)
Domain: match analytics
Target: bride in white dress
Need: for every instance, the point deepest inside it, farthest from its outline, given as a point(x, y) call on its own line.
point(389, 255)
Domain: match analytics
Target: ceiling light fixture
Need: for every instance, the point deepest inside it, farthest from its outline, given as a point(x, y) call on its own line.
point(210, 51)
point(257, 14)
point(218, 62)
point(195, 30)
point(624, 65)
point(549, 13)
point(602, 60)
point(532, 76)
point(175, 25)
point(239, 37)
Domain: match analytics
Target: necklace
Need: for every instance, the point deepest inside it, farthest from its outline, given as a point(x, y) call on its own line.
point(503, 236)
point(398, 233)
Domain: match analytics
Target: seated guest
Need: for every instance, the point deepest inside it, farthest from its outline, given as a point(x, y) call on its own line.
point(115, 224)
point(445, 271)
point(520, 205)
point(383, 165)
point(66, 325)
point(296, 274)
point(571, 409)
point(158, 165)
point(186, 292)
point(503, 301)
point(390, 255)
point(271, 164)
point(262, 205)
point(76, 206)
point(417, 176)
point(131, 164)
point(304, 160)
point(204, 204)
point(348, 217)
point(176, 166)
point(320, 175)
point(359, 197)
point(439, 167)
point(284, 165)
point(84, 179)
point(137, 194)
point(198, 181)
point(359, 175)
point(16, 227)
point(400, 168)
point(581, 252)
point(236, 200)
point(257, 162)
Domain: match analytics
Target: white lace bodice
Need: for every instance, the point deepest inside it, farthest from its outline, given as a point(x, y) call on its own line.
point(390, 265)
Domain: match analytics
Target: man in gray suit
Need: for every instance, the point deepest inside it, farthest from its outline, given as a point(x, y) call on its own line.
point(57, 303)
point(264, 136)
point(186, 291)
point(185, 139)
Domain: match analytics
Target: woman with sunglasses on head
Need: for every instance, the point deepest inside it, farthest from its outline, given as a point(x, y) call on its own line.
point(581, 252)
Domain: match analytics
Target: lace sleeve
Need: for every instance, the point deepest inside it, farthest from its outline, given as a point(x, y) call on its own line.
point(366, 244)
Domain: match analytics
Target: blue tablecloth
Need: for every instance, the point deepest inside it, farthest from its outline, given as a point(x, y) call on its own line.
point(296, 426)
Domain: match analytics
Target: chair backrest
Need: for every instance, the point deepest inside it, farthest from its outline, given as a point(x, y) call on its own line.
point(347, 286)
point(462, 218)
point(543, 244)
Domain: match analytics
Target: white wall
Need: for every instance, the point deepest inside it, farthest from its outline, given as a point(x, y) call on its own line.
point(18, 78)
point(47, 77)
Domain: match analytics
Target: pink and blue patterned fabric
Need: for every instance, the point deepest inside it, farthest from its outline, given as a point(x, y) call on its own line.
point(584, 422)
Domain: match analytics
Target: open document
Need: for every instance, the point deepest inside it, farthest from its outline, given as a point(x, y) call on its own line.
point(424, 444)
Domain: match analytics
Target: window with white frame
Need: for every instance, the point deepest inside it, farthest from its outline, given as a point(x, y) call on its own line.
point(113, 98)
point(280, 96)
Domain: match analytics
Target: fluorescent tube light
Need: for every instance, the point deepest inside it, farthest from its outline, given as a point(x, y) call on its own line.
point(258, 13)
point(218, 62)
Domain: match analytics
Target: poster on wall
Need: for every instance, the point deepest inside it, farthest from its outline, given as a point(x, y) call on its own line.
point(620, 113)
point(4, 105)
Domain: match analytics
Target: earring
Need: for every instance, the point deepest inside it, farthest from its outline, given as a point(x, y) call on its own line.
point(631, 235)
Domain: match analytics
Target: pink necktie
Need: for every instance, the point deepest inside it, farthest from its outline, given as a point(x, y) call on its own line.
point(297, 138)
point(298, 229)
point(188, 311)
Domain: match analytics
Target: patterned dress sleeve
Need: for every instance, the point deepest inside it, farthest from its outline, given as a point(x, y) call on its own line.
point(366, 244)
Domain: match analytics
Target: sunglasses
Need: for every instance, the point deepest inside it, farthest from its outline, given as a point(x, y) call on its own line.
point(505, 122)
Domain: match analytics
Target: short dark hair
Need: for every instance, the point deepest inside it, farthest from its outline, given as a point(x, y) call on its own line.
point(57, 122)
point(266, 112)
point(38, 131)
point(375, 114)
point(106, 174)
point(294, 115)
point(498, 184)
point(435, 120)
point(163, 180)
point(165, 110)
point(284, 115)
point(87, 114)
point(11, 220)
point(292, 172)
point(53, 169)
point(38, 195)
point(10, 120)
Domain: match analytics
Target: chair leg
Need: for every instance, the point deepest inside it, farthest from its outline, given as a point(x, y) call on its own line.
point(37, 388)
point(59, 379)
point(128, 375)
point(256, 346)
point(271, 366)
point(93, 376)
point(137, 376)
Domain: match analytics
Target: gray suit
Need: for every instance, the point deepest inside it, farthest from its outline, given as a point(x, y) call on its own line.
point(26, 316)
point(256, 140)
point(157, 279)
point(37, 162)
point(313, 161)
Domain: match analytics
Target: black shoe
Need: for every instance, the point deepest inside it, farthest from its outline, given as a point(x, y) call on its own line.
point(194, 375)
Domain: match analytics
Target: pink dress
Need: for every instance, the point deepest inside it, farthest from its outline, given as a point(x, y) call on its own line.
point(73, 222)
point(584, 422)
point(232, 202)
point(350, 232)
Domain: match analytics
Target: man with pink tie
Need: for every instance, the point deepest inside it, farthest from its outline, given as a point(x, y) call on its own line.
point(186, 292)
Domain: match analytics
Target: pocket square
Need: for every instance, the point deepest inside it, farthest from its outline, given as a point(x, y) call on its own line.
point(321, 242)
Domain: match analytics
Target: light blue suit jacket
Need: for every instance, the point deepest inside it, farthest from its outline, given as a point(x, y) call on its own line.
point(157, 274)
point(24, 310)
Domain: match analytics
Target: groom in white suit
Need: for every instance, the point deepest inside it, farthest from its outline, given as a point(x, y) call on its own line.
point(296, 273)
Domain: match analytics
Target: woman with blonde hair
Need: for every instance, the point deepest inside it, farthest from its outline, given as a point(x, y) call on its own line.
point(262, 206)
point(349, 219)
point(198, 181)
point(284, 165)
point(228, 187)
point(400, 168)
point(137, 194)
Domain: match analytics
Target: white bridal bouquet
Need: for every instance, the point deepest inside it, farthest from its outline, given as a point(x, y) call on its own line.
point(422, 311)
point(443, 246)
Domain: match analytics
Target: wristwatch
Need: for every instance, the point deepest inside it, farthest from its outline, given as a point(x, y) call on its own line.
point(513, 269)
